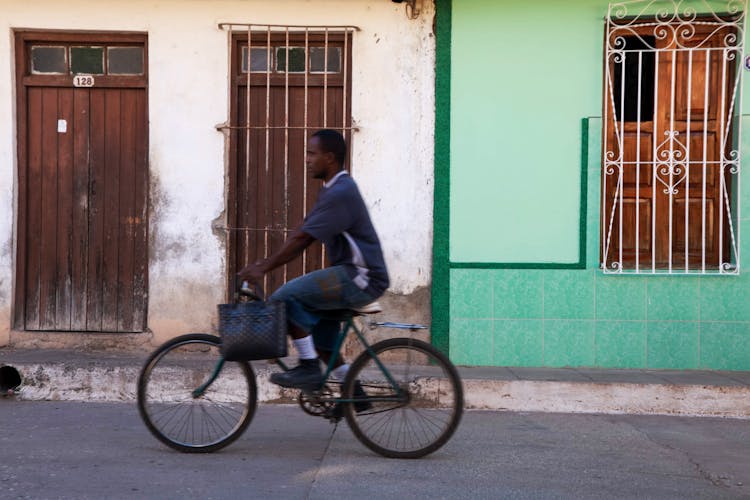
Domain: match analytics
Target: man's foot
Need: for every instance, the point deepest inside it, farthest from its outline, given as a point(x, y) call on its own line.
point(337, 412)
point(306, 375)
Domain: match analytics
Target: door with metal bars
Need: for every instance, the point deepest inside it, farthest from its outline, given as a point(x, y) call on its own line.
point(671, 165)
point(287, 82)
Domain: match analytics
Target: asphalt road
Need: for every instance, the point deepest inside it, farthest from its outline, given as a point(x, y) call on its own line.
point(102, 450)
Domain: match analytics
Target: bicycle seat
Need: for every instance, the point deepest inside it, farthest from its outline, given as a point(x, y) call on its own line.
point(343, 314)
point(371, 308)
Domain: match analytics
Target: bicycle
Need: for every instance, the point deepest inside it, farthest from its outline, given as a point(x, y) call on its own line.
point(411, 404)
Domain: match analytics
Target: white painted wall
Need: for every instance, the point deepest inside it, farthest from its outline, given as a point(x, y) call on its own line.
point(393, 104)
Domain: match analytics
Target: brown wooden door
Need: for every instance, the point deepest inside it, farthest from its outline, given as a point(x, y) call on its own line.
point(270, 190)
point(675, 114)
point(82, 238)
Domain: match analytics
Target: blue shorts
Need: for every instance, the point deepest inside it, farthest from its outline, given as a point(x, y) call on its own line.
point(327, 289)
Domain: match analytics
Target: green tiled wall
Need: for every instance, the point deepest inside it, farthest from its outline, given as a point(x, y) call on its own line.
point(532, 317)
point(581, 317)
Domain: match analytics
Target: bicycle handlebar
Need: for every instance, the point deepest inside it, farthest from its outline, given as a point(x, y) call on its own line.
point(243, 289)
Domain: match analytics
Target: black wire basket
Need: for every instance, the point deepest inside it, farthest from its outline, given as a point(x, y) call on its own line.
point(253, 330)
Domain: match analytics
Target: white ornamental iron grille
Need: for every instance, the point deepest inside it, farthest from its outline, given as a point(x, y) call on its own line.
point(671, 156)
point(290, 81)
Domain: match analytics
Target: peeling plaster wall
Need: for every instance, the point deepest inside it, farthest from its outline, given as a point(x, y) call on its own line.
point(392, 154)
point(7, 168)
point(7, 183)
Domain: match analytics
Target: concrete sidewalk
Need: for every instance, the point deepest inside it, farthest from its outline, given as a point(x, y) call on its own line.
point(111, 376)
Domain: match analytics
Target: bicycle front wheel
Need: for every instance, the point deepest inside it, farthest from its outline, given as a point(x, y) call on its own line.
point(177, 406)
point(414, 398)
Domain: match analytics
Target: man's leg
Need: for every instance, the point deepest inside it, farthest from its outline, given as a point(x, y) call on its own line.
point(325, 335)
point(321, 289)
point(325, 356)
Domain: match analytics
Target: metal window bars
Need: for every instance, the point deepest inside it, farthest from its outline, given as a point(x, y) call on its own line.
point(282, 61)
point(671, 132)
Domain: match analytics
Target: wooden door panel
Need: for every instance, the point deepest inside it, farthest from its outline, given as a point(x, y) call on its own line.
point(80, 209)
point(83, 184)
point(703, 160)
point(127, 217)
point(64, 264)
point(629, 226)
point(34, 210)
point(121, 198)
point(638, 175)
point(703, 62)
point(275, 181)
point(86, 197)
point(95, 264)
point(696, 227)
point(109, 193)
point(48, 226)
point(270, 187)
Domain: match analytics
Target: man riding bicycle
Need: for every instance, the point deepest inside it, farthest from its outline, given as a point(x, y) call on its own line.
point(357, 274)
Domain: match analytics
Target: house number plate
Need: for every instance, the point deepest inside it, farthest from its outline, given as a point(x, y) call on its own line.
point(83, 81)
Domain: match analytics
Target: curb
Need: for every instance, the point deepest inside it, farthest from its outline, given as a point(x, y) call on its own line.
point(614, 398)
point(100, 382)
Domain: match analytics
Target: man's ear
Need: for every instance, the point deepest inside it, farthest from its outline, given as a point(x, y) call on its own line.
point(330, 157)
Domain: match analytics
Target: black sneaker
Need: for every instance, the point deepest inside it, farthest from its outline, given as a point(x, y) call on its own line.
point(306, 375)
point(337, 411)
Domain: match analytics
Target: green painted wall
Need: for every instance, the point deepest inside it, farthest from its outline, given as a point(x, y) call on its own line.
point(523, 74)
point(517, 191)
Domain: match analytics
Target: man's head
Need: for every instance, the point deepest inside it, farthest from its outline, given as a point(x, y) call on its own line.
point(326, 153)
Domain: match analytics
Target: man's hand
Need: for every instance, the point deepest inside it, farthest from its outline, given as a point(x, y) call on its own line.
point(253, 273)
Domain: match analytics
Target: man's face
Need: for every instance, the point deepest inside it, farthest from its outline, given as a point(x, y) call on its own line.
point(317, 160)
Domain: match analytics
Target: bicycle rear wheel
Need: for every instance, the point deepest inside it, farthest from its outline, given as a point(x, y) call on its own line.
point(195, 423)
point(419, 414)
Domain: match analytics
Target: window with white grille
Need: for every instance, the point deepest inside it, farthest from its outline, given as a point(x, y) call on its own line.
point(671, 155)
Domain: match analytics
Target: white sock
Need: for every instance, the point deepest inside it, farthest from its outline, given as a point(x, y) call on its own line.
point(305, 348)
point(340, 372)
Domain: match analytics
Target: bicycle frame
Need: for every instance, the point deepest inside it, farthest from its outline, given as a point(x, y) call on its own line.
point(348, 326)
point(198, 392)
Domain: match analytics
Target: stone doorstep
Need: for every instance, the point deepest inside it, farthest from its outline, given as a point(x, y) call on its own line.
point(537, 390)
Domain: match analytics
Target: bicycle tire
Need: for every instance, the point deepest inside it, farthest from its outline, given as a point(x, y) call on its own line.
point(421, 422)
point(195, 424)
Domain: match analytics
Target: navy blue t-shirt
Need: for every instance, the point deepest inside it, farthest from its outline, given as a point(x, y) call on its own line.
point(340, 220)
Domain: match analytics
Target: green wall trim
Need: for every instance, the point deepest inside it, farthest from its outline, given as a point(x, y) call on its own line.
point(441, 227)
point(584, 192)
point(510, 265)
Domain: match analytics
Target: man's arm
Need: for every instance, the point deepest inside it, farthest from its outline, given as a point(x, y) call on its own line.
point(294, 245)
